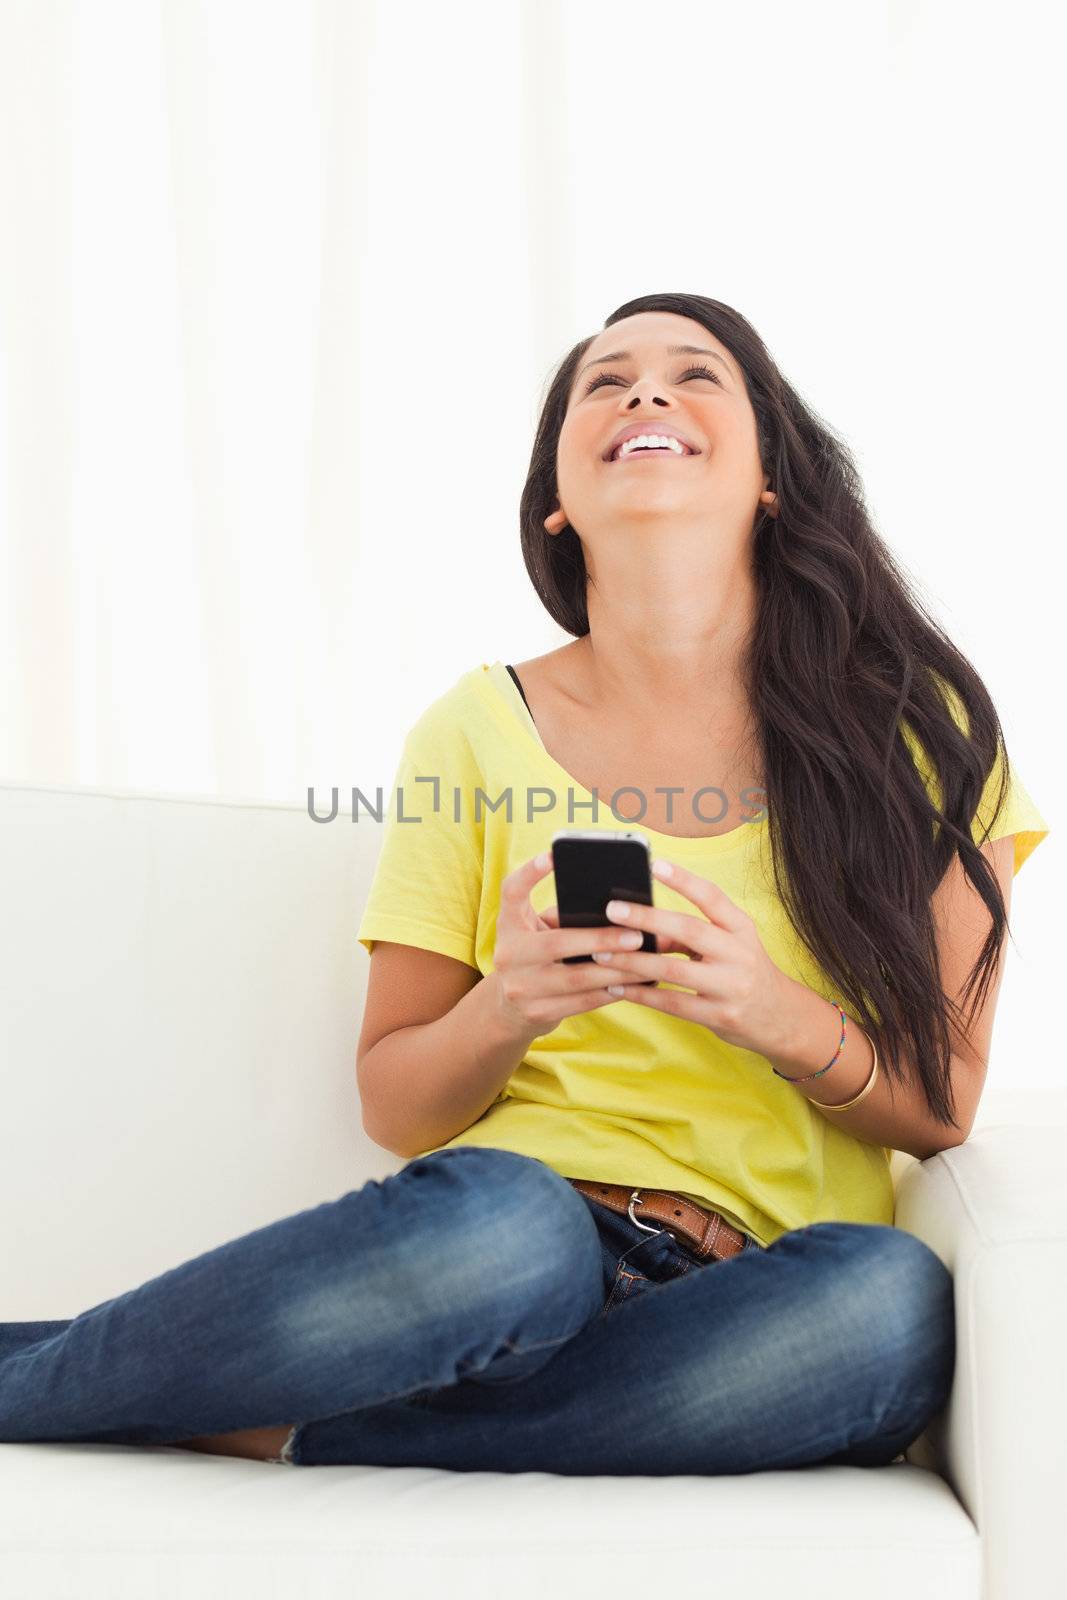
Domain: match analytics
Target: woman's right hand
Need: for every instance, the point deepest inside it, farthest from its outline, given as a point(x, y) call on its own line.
point(535, 988)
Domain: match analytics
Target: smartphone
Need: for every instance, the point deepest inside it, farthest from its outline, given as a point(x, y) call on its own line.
point(595, 866)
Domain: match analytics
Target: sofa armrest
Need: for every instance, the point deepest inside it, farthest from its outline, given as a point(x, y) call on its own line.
point(993, 1210)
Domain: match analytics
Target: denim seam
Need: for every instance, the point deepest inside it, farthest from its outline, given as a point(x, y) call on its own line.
point(540, 1344)
point(618, 1294)
point(384, 1400)
point(824, 1440)
point(286, 1456)
point(628, 1277)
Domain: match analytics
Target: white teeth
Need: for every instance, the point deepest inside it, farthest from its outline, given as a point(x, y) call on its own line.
point(650, 441)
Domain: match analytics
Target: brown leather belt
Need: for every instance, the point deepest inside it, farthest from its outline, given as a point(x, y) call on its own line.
point(703, 1230)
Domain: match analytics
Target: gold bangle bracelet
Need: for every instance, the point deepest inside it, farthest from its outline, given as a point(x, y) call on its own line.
point(867, 1087)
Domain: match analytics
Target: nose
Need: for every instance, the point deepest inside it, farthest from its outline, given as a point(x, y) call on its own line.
point(657, 400)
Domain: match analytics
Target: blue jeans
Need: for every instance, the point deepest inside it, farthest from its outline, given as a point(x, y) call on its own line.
point(475, 1311)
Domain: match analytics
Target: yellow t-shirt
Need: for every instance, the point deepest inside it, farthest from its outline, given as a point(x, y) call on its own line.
point(623, 1094)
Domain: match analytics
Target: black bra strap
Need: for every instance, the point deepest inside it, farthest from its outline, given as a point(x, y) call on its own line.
point(518, 686)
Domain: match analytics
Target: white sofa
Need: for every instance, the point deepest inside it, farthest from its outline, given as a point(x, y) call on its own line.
point(182, 991)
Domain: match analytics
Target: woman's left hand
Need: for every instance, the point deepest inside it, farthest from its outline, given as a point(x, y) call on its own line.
point(731, 986)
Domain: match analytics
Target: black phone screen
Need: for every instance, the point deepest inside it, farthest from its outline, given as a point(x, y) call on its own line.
point(591, 871)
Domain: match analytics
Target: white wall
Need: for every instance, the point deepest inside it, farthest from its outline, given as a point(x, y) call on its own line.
point(261, 262)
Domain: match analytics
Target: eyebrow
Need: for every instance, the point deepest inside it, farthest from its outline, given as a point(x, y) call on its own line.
point(672, 350)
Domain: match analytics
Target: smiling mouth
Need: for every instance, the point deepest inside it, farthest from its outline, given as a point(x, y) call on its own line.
point(679, 449)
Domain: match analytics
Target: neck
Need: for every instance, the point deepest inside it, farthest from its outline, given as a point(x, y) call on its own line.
point(682, 651)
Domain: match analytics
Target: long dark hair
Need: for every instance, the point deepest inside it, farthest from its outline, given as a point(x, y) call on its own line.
point(841, 653)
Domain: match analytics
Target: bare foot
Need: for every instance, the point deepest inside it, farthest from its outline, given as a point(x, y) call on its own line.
point(257, 1444)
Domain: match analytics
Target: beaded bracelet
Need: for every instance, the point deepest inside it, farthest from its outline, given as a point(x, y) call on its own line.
point(867, 1087)
point(829, 1064)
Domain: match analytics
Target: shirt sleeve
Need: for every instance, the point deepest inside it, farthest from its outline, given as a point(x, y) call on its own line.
point(427, 883)
point(1018, 815)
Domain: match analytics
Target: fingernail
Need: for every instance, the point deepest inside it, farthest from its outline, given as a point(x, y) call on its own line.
point(614, 988)
point(662, 869)
point(617, 908)
point(542, 860)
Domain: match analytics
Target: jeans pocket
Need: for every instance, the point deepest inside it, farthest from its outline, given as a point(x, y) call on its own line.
point(628, 1281)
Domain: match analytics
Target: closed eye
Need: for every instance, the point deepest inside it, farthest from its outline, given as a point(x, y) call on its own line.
point(691, 372)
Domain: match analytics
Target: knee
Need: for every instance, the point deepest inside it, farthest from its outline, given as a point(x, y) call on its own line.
point(905, 1279)
point(517, 1214)
point(490, 1225)
point(895, 1294)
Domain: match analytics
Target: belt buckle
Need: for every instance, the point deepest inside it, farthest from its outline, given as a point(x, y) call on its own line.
point(644, 1226)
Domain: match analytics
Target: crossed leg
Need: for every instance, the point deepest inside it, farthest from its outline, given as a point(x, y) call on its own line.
point(835, 1345)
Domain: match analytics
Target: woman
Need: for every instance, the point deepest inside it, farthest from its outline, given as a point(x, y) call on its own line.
point(823, 781)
